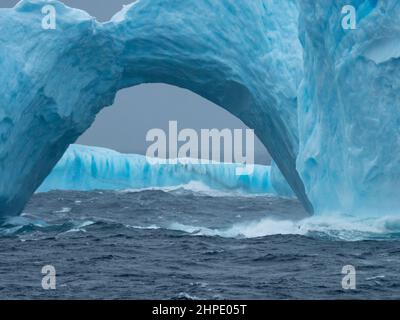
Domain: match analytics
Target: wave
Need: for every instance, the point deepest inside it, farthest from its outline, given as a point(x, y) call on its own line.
point(72, 215)
point(198, 188)
point(32, 228)
point(334, 227)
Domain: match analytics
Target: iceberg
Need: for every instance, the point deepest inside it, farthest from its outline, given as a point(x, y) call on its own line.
point(93, 168)
point(244, 56)
point(322, 99)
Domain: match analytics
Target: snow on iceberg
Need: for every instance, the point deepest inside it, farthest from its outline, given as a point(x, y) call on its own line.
point(90, 168)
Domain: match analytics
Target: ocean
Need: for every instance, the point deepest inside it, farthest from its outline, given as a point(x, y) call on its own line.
point(193, 243)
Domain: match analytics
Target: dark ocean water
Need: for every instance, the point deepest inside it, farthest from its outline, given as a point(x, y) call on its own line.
point(183, 244)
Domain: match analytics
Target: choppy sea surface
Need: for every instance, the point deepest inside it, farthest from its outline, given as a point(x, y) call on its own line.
point(188, 243)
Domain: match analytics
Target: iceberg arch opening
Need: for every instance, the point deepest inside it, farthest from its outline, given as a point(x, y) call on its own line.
point(121, 163)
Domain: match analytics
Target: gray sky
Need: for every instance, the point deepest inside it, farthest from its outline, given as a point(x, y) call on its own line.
point(136, 110)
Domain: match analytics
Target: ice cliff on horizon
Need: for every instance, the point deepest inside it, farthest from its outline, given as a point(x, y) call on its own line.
point(330, 122)
point(93, 168)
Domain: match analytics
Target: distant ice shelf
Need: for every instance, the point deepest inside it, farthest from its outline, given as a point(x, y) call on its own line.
point(92, 168)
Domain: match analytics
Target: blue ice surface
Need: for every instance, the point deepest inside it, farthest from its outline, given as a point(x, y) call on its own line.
point(92, 168)
point(348, 107)
point(244, 56)
point(323, 100)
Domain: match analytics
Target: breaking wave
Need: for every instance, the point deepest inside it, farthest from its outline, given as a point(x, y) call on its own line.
point(333, 227)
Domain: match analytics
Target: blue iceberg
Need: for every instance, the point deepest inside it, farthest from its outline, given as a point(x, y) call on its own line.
point(243, 55)
point(93, 168)
point(349, 99)
point(322, 99)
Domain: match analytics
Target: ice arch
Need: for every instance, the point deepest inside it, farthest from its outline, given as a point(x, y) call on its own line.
point(241, 55)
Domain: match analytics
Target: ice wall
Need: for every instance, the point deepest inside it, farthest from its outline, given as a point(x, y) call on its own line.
point(92, 168)
point(349, 116)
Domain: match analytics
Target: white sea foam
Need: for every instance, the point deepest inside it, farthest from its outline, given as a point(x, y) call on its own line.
point(200, 189)
point(338, 227)
point(63, 210)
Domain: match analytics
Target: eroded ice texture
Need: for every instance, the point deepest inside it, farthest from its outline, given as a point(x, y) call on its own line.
point(243, 55)
point(349, 107)
point(279, 183)
point(90, 168)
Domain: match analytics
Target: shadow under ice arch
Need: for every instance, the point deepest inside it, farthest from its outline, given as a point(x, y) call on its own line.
point(221, 50)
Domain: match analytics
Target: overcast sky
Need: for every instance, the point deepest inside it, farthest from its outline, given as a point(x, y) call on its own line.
point(123, 126)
